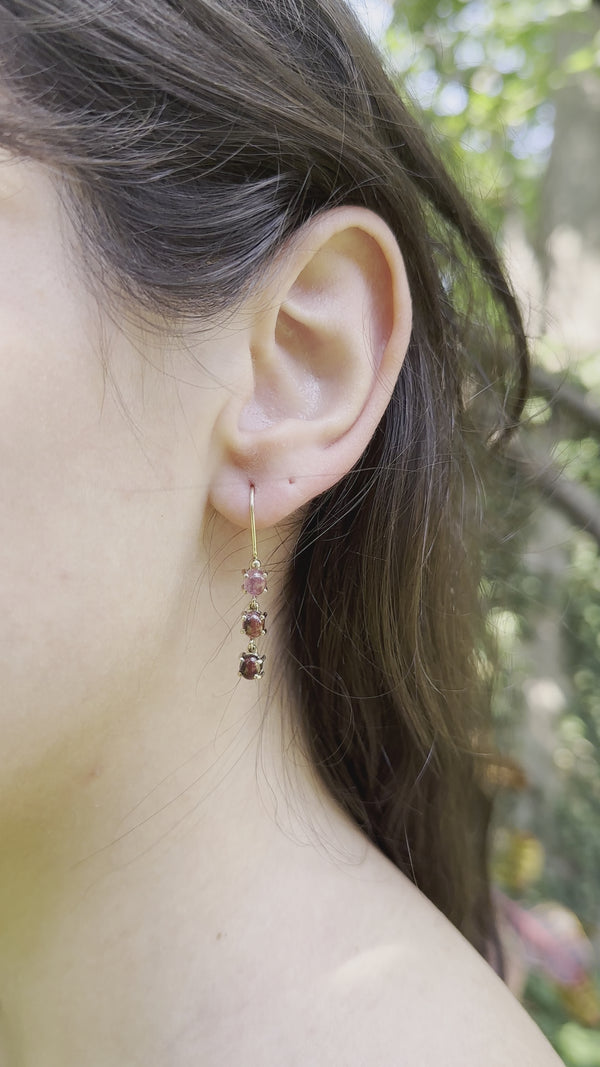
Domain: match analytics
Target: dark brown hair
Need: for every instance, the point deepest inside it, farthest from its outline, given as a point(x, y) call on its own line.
point(194, 138)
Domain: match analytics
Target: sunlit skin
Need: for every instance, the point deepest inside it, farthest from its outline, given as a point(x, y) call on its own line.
point(175, 886)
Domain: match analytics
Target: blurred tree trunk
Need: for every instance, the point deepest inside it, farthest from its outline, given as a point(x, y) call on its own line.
point(569, 225)
point(568, 255)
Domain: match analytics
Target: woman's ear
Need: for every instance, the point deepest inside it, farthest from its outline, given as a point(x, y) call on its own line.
point(327, 337)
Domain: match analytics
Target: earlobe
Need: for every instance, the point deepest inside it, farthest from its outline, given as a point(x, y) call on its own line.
point(329, 333)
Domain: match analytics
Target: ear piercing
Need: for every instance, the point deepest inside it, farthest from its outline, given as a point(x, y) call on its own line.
point(253, 619)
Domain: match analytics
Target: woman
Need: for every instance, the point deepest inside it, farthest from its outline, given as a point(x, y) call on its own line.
point(238, 287)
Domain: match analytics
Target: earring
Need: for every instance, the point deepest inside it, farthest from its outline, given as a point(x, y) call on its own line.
point(253, 619)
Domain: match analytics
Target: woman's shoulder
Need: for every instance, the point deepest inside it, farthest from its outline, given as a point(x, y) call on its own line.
point(421, 995)
point(387, 980)
point(416, 992)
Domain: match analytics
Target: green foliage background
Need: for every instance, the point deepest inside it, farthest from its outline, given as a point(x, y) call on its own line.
point(488, 75)
point(486, 72)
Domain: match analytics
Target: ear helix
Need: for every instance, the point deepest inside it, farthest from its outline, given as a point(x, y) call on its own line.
point(253, 619)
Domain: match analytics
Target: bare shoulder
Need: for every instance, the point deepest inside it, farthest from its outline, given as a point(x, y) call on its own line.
point(410, 991)
point(359, 969)
point(419, 994)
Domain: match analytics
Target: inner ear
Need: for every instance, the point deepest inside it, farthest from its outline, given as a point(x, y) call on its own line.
point(347, 281)
point(323, 339)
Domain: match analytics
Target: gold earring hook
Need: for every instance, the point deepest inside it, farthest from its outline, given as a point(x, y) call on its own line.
point(253, 523)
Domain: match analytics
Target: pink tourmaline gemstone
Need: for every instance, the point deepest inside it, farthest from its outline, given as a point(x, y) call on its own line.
point(251, 665)
point(255, 582)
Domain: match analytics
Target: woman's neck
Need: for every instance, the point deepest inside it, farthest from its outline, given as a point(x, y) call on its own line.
point(149, 888)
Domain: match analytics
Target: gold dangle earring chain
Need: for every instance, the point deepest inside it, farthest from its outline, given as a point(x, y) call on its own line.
point(253, 619)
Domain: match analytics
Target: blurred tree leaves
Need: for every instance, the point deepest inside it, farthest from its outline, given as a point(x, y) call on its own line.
point(486, 71)
point(511, 91)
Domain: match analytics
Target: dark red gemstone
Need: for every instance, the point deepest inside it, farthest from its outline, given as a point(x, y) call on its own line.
point(253, 623)
point(251, 665)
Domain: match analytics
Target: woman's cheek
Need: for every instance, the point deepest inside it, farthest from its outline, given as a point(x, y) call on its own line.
point(85, 542)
